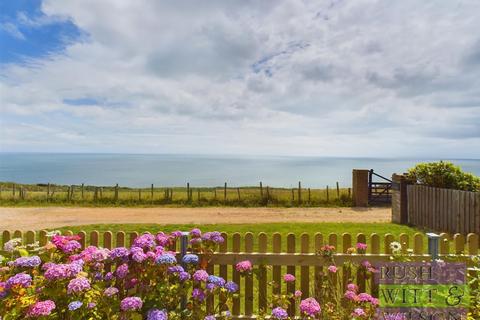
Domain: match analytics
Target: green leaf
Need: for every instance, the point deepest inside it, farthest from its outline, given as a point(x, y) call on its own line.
point(23, 252)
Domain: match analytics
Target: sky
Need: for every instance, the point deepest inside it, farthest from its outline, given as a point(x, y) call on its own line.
point(359, 78)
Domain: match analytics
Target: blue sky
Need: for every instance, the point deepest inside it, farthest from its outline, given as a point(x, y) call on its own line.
point(26, 32)
point(280, 77)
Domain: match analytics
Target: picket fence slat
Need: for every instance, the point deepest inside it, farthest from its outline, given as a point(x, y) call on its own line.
point(262, 281)
point(248, 280)
point(291, 270)
point(235, 273)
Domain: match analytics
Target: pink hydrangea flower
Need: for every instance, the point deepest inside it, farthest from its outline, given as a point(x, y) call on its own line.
point(41, 308)
point(350, 295)
point(298, 293)
point(332, 269)
point(352, 287)
point(288, 277)
point(358, 312)
point(361, 246)
point(310, 307)
point(244, 266)
point(78, 285)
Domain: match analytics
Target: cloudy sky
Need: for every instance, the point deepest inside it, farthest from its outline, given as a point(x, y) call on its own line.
point(331, 78)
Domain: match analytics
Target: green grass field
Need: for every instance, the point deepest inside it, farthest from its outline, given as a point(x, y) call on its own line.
point(50, 195)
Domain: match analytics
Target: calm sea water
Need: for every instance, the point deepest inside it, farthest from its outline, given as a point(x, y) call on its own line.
point(138, 170)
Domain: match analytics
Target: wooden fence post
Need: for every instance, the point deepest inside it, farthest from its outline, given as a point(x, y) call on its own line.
point(328, 198)
point(13, 191)
point(139, 195)
point(188, 191)
point(48, 191)
point(293, 195)
point(116, 192)
point(338, 191)
point(225, 193)
point(309, 195)
point(95, 194)
point(268, 194)
point(261, 190)
point(82, 190)
point(151, 193)
point(299, 193)
point(238, 192)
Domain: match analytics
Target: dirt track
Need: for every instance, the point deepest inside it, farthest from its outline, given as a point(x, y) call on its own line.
point(52, 217)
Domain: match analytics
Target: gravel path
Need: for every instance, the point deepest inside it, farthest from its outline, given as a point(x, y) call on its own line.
point(53, 217)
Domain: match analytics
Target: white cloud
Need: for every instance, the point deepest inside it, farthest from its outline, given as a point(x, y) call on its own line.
point(364, 78)
point(12, 29)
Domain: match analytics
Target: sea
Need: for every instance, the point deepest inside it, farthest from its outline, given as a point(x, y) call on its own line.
point(169, 170)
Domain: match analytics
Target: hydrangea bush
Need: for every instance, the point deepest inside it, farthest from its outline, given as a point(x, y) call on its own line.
point(145, 281)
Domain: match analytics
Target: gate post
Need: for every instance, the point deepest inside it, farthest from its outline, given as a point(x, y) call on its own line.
point(360, 187)
point(399, 199)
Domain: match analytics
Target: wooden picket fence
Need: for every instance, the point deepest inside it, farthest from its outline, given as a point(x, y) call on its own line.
point(307, 265)
point(444, 210)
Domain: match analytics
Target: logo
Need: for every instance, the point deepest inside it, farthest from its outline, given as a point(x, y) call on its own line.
point(422, 290)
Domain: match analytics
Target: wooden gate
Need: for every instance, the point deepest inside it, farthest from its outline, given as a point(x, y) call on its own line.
point(379, 191)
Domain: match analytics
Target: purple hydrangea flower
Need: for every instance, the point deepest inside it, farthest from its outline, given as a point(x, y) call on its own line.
point(110, 291)
point(144, 241)
point(122, 271)
point(231, 286)
point(131, 304)
point(198, 294)
point(184, 276)
point(196, 233)
point(78, 285)
point(27, 262)
point(210, 317)
point(3, 290)
point(62, 271)
point(163, 239)
point(119, 253)
point(175, 269)
point(20, 279)
point(200, 275)
point(155, 314)
point(138, 255)
point(279, 313)
point(176, 234)
point(215, 237)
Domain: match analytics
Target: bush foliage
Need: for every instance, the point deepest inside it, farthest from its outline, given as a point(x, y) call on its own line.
point(444, 175)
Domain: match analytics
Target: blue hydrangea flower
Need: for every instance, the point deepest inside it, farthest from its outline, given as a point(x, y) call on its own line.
point(72, 306)
point(218, 281)
point(231, 286)
point(166, 258)
point(190, 259)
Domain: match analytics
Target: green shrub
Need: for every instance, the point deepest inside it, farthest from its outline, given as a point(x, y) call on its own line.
point(443, 175)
